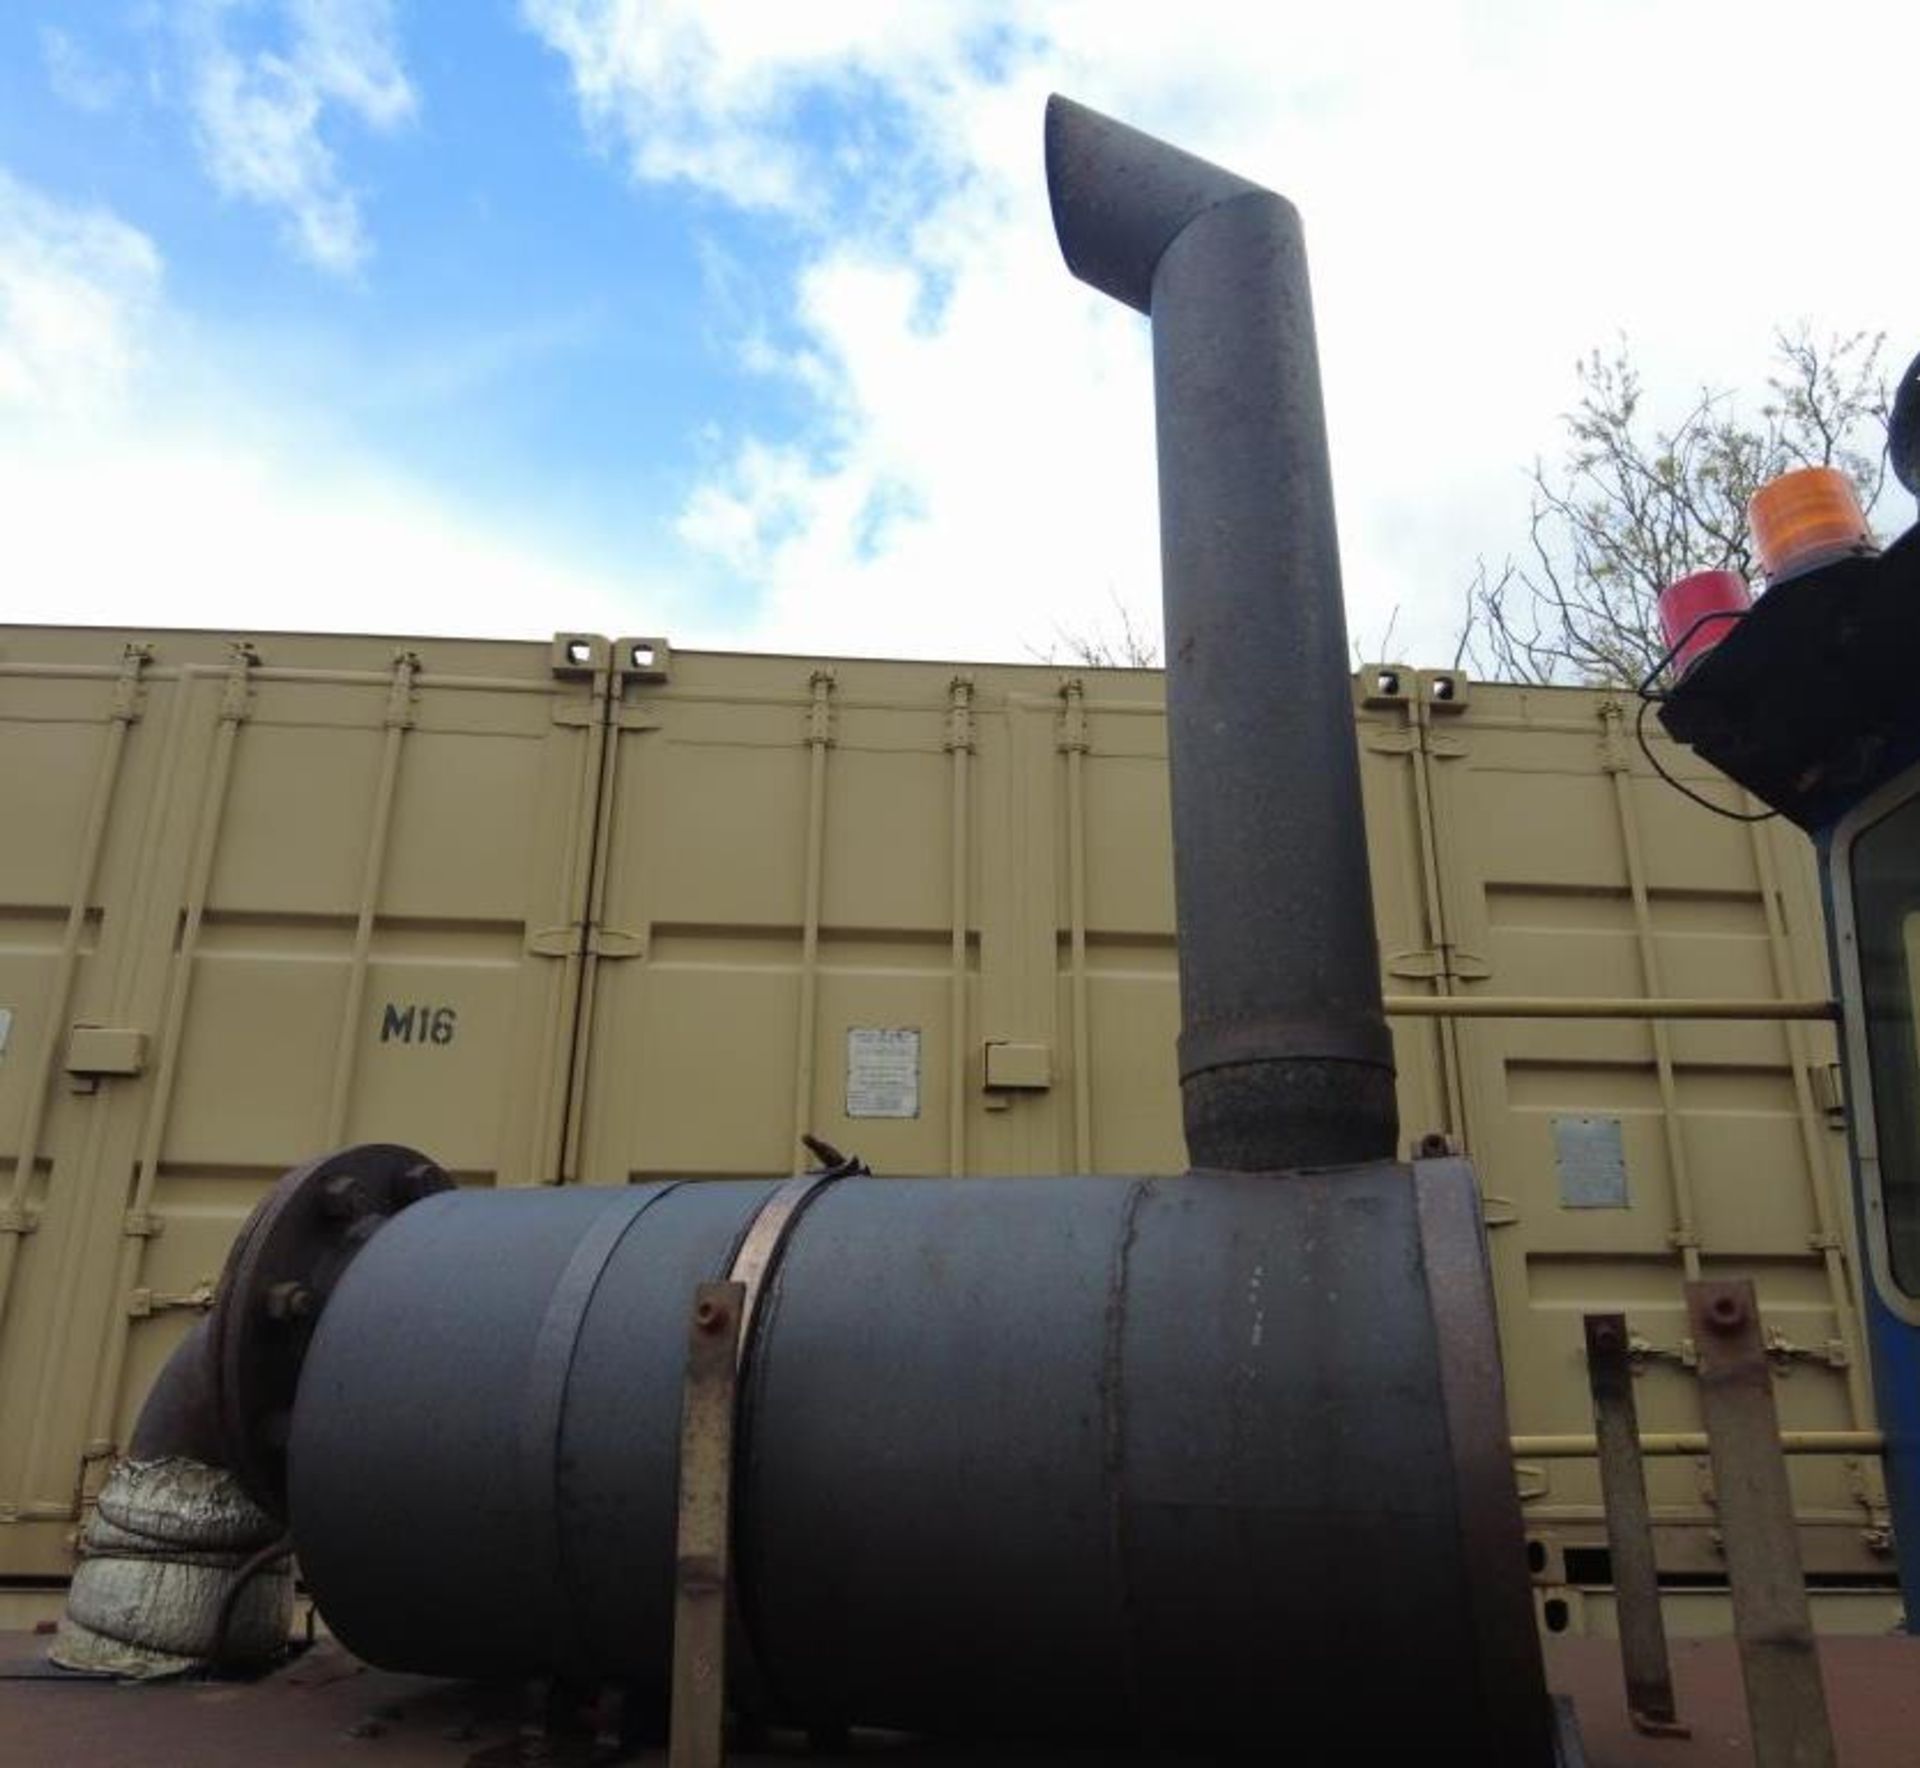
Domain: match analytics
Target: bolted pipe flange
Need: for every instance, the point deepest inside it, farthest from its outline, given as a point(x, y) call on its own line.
point(292, 1252)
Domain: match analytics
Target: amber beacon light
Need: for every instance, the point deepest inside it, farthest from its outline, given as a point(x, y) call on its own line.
point(1806, 518)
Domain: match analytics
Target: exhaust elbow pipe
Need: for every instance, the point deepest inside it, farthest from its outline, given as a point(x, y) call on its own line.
point(1285, 1057)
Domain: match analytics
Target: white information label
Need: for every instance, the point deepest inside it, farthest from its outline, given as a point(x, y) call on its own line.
point(883, 1071)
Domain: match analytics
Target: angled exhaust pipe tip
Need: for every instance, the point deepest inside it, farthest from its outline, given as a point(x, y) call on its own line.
point(1285, 1057)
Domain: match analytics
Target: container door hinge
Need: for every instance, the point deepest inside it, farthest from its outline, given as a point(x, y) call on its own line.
point(1642, 1352)
point(1614, 755)
point(1072, 738)
point(142, 1224)
point(128, 689)
point(1783, 1352)
point(16, 1218)
point(236, 699)
point(400, 693)
point(820, 688)
point(142, 1303)
point(1499, 1212)
point(612, 942)
point(576, 714)
point(1830, 1093)
point(1434, 963)
point(959, 733)
point(554, 942)
point(1531, 1478)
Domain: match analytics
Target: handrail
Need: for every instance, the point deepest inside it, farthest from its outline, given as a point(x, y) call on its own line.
point(1694, 1442)
point(1600, 1007)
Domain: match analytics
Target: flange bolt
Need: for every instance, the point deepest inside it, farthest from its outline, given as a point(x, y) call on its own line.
point(345, 1197)
point(289, 1301)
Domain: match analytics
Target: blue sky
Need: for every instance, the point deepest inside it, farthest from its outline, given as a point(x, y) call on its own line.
point(522, 326)
point(739, 320)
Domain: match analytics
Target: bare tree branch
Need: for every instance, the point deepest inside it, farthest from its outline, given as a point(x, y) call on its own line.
point(1629, 509)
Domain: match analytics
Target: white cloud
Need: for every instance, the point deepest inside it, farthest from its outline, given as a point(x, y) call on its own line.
point(1489, 191)
point(76, 287)
point(259, 114)
point(139, 487)
point(77, 78)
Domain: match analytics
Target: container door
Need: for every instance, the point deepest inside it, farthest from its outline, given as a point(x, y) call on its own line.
point(338, 898)
point(1635, 1154)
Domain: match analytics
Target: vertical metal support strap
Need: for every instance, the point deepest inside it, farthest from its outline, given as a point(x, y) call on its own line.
point(1074, 743)
point(1623, 1487)
point(959, 744)
point(819, 741)
point(1786, 1701)
point(701, 1555)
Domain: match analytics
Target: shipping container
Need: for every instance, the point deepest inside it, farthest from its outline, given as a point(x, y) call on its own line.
point(594, 913)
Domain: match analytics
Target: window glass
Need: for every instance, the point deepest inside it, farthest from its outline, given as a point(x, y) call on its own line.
point(1886, 907)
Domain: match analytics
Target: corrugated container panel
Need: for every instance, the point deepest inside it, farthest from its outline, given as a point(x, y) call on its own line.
point(260, 897)
point(920, 910)
point(1520, 845)
point(1620, 1157)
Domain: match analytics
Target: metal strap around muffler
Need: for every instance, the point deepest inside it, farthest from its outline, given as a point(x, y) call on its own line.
point(760, 1249)
point(754, 1262)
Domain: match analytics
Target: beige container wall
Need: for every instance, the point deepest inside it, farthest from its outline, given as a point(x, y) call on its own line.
point(307, 891)
point(921, 911)
point(1519, 844)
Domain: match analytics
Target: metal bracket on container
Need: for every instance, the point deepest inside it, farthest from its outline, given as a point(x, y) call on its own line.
point(642, 659)
point(576, 656)
point(1387, 684)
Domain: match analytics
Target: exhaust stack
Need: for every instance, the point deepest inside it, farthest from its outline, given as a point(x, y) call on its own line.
point(1285, 1059)
point(1101, 1458)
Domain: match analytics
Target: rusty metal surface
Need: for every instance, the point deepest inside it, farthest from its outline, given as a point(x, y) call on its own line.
point(1874, 1685)
point(1506, 1654)
point(1285, 1059)
point(329, 1711)
point(1785, 1698)
point(1623, 1482)
point(292, 1252)
point(703, 1542)
point(1062, 1454)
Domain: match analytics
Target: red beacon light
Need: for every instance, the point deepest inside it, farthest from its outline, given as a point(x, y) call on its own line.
point(1697, 612)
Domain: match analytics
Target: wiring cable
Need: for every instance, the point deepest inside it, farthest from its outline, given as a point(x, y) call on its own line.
point(1652, 696)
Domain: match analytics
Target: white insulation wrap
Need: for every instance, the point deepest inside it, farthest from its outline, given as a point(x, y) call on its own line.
point(164, 1548)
